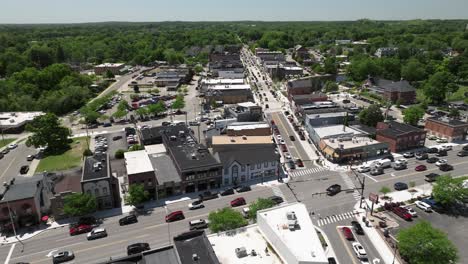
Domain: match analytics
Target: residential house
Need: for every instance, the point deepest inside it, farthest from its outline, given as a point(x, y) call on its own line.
point(400, 136)
point(452, 129)
point(63, 185)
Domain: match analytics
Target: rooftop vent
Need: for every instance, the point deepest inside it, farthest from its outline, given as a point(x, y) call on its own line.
point(173, 138)
point(195, 257)
point(233, 140)
point(194, 156)
point(244, 137)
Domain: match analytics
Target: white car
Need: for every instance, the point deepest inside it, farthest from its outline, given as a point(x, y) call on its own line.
point(411, 211)
point(96, 233)
point(404, 161)
point(196, 205)
point(13, 146)
point(359, 250)
point(423, 206)
point(442, 140)
point(279, 137)
point(441, 162)
point(282, 142)
point(446, 147)
point(287, 156)
point(363, 168)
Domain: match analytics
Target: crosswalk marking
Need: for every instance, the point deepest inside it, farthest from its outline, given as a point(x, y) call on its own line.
point(350, 185)
point(335, 218)
point(305, 172)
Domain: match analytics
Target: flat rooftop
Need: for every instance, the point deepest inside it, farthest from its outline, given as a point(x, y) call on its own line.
point(231, 87)
point(222, 81)
point(353, 143)
point(96, 167)
point(326, 115)
point(335, 130)
point(155, 149)
point(247, 104)
point(302, 242)
point(166, 255)
point(240, 140)
point(250, 237)
point(137, 162)
point(195, 243)
point(164, 169)
point(247, 125)
point(13, 119)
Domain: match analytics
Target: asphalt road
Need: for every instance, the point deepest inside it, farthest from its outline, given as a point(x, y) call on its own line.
point(151, 228)
point(11, 163)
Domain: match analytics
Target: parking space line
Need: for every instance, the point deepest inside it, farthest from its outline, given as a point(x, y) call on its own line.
point(7, 260)
point(368, 176)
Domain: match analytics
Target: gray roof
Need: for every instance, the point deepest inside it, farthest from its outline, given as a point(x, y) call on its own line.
point(448, 121)
point(22, 188)
point(247, 155)
point(91, 170)
point(195, 242)
point(397, 129)
point(391, 86)
point(164, 168)
point(164, 255)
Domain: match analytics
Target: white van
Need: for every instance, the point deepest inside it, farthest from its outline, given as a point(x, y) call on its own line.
point(385, 163)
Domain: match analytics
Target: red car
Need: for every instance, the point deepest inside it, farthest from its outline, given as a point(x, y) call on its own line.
point(80, 229)
point(421, 168)
point(284, 148)
point(299, 163)
point(402, 212)
point(348, 234)
point(238, 202)
point(175, 216)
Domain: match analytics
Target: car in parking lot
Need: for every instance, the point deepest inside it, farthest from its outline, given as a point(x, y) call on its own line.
point(359, 250)
point(277, 199)
point(432, 160)
point(441, 162)
point(282, 142)
point(462, 153)
point(198, 224)
point(196, 205)
point(347, 233)
point(363, 168)
point(287, 155)
point(420, 168)
point(376, 171)
point(291, 165)
point(333, 189)
point(245, 188)
point(410, 211)
point(96, 233)
point(423, 206)
point(441, 140)
point(115, 138)
point(445, 167)
point(137, 248)
point(129, 219)
point(402, 212)
point(175, 216)
point(431, 177)
point(399, 186)
point(408, 154)
point(357, 227)
point(226, 192)
point(433, 150)
point(63, 256)
point(421, 155)
point(205, 196)
point(238, 202)
point(441, 153)
point(24, 169)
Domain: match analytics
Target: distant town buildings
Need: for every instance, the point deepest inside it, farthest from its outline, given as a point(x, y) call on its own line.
point(400, 91)
point(400, 136)
point(451, 129)
point(114, 68)
point(386, 52)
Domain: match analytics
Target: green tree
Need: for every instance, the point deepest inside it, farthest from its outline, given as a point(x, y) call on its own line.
point(119, 154)
point(258, 205)
point(136, 194)
point(436, 88)
point(413, 70)
point(330, 86)
point(198, 68)
point(448, 190)
point(90, 116)
point(225, 219)
point(47, 131)
point(412, 114)
point(79, 204)
point(424, 244)
point(157, 108)
point(454, 112)
point(371, 115)
point(179, 102)
point(142, 111)
point(136, 147)
point(109, 75)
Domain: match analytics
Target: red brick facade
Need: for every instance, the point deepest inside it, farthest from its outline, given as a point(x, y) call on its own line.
point(452, 130)
point(404, 97)
point(400, 137)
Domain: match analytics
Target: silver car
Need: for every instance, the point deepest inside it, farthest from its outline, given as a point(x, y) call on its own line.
point(63, 256)
point(96, 233)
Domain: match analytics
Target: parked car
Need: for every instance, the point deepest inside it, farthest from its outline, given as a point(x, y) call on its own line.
point(432, 150)
point(137, 248)
point(421, 156)
point(442, 153)
point(24, 169)
point(420, 168)
point(465, 148)
point(196, 205)
point(96, 233)
point(291, 165)
point(408, 154)
point(441, 162)
point(446, 167)
point(13, 146)
point(5, 151)
point(359, 250)
point(287, 155)
point(241, 189)
point(431, 177)
point(292, 138)
point(79, 229)
point(276, 199)
point(331, 260)
point(333, 189)
point(462, 153)
point(30, 157)
point(299, 163)
point(198, 224)
point(129, 219)
point(410, 211)
point(363, 168)
point(442, 140)
point(399, 186)
point(432, 160)
point(401, 212)
point(62, 256)
point(115, 138)
point(205, 196)
point(357, 227)
point(376, 171)
point(347, 233)
point(175, 216)
point(238, 202)
point(228, 191)
point(423, 206)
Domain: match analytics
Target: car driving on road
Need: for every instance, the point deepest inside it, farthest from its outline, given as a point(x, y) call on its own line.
point(96, 233)
point(62, 256)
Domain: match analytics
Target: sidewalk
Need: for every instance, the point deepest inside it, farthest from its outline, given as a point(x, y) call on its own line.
point(26, 234)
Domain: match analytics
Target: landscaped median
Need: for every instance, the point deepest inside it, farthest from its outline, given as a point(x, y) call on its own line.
point(69, 159)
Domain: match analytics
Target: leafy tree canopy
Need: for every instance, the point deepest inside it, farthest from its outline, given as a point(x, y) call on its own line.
point(258, 205)
point(47, 131)
point(412, 115)
point(79, 204)
point(371, 115)
point(137, 194)
point(448, 190)
point(225, 219)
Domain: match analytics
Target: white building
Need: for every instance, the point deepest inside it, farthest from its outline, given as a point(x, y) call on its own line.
point(16, 121)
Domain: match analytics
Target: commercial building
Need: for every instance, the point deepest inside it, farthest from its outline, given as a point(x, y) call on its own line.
point(267, 55)
point(246, 158)
point(226, 64)
point(205, 84)
point(400, 136)
point(248, 129)
point(244, 112)
point(151, 135)
point(15, 122)
point(306, 85)
point(140, 170)
point(283, 70)
point(115, 68)
point(452, 129)
point(63, 185)
point(301, 52)
point(327, 119)
point(229, 94)
point(400, 91)
point(97, 180)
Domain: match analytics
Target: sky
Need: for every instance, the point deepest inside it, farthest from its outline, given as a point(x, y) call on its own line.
point(77, 11)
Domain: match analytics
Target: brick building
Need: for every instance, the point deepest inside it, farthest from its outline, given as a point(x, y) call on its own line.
point(451, 129)
point(400, 136)
point(394, 91)
point(115, 68)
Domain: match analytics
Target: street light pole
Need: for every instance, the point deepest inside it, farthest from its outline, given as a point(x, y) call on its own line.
point(13, 225)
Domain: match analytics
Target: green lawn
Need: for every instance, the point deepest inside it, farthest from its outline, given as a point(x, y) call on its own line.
point(459, 95)
point(6, 141)
point(69, 159)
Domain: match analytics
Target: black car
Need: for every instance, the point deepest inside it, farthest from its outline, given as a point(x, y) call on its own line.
point(166, 123)
point(331, 261)
point(465, 148)
point(291, 165)
point(432, 150)
point(208, 196)
point(462, 153)
point(431, 177)
point(276, 199)
point(63, 256)
point(442, 153)
point(24, 169)
point(445, 167)
point(292, 138)
point(334, 189)
point(137, 248)
point(357, 228)
point(243, 189)
point(129, 219)
point(227, 192)
point(432, 160)
point(399, 186)
point(117, 138)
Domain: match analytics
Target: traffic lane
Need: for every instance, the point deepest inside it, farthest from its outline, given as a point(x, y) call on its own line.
point(338, 242)
point(13, 160)
point(347, 246)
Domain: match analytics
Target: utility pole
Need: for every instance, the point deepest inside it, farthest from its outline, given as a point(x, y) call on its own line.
point(13, 225)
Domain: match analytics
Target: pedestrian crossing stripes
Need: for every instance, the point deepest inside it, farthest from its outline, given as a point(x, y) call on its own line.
point(350, 185)
point(305, 172)
point(335, 218)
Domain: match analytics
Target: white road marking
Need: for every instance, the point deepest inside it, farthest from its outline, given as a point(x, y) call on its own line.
point(367, 175)
point(7, 260)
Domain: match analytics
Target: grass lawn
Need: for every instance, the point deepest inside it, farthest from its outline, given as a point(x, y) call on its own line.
point(69, 159)
point(6, 141)
point(459, 95)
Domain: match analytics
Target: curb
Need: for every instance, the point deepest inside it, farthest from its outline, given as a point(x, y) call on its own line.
point(39, 232)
